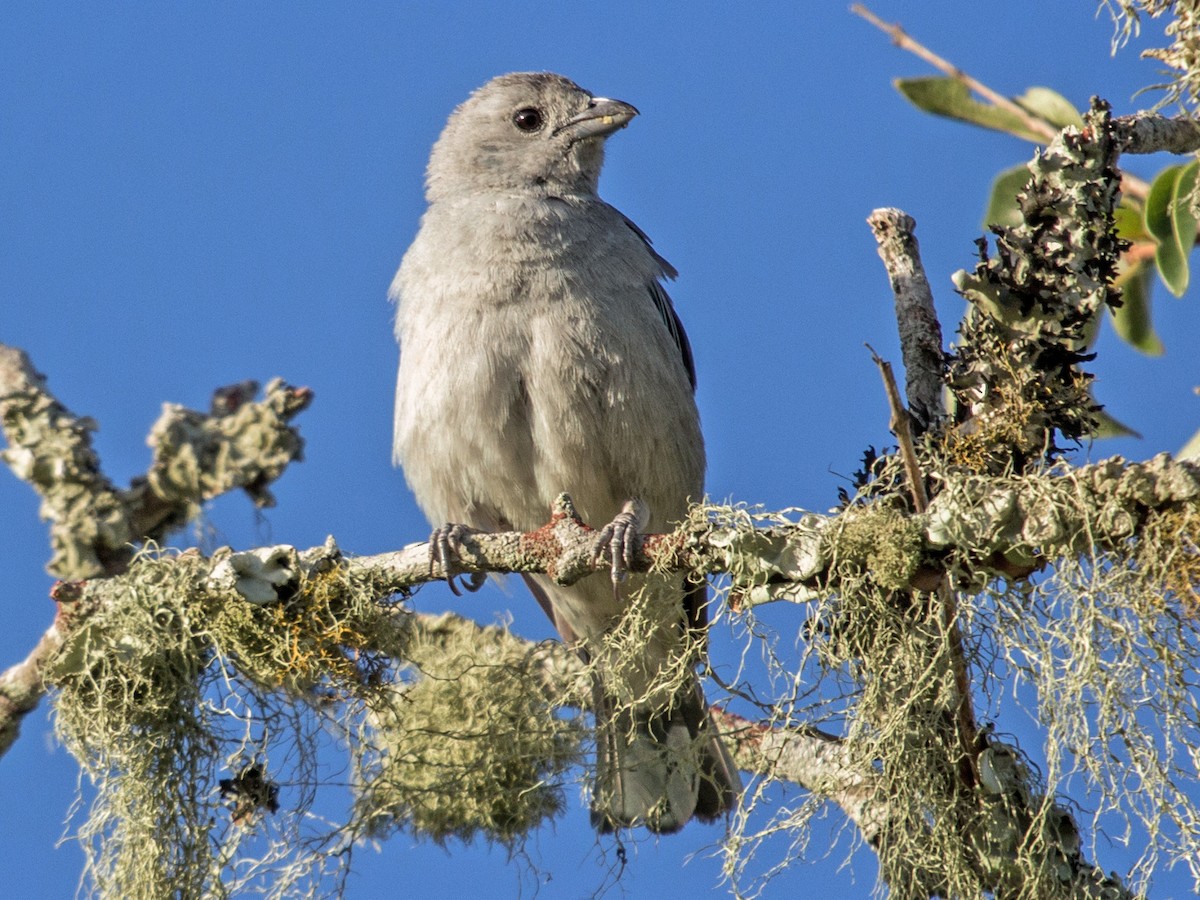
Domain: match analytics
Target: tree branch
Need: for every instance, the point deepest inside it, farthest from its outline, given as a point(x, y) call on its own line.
point(93, 524)
point(22, 686)
point(973, 518)
point(992, 524)
point(1152, 133)
point(980, 520)
point(1141, 133)
point(916, 318)
point(904, 41)
point(965, 728)
point(812, 759)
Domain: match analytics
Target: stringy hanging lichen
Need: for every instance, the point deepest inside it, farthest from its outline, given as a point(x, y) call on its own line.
point(172, 692)
point(471, 745)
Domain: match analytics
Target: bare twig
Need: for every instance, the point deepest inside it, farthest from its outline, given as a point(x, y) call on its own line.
point(901, 39)
point(900, 426)
point(966, 728)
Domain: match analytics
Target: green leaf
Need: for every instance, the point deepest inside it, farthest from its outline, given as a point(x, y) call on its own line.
point(1158, 198)
point(1108, 427)
point(950, 98)
point(1050, 106)
point(1130, 222)
point(1183, 219)
point(1169, 221)
point(1131, 319)
point(1002, 206)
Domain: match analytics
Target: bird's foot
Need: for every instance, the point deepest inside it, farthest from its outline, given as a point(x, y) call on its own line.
point(444, 546)
point(620, 538)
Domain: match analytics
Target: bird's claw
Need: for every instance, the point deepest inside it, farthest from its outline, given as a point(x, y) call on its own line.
point(444, 546)
point(621, 538)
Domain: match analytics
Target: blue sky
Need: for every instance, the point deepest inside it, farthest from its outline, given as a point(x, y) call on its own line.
point(195, 194)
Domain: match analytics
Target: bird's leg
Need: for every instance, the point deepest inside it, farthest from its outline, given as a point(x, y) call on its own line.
point(621, 536)
point(444, 546)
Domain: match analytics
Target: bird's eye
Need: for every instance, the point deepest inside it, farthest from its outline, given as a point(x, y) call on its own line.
point(528, 119)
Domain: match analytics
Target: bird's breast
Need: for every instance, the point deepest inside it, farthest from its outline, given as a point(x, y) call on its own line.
point(533, 362)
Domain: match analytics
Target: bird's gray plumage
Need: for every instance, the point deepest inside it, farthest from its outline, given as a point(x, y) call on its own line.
point(541, 354)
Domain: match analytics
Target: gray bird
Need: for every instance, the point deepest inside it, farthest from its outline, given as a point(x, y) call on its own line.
point(539, 354)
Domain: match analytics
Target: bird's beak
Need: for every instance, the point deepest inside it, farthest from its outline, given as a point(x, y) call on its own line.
point(601, 118)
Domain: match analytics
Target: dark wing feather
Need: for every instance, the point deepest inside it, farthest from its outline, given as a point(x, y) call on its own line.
point(675, 327)
point(666, 309)
point(668, 270)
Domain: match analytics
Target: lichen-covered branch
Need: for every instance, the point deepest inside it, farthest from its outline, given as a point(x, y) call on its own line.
point(1152, 133)
point(811, 758)
point(95, 526)
point(979, 527)
point(1016, 371)
point(240, 443)
point(296, 620)
point(982, 526)
point(22, 686)
point(52, 450)
point(916, 318)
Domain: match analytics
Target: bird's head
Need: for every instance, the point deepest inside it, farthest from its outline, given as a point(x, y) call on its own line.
point(527, 131)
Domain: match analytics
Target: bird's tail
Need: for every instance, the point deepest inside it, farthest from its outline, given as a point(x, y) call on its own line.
point(660, 769)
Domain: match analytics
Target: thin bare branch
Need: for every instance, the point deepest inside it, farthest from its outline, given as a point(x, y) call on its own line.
point(965, 725)
point(905, 42)
point(899, 424)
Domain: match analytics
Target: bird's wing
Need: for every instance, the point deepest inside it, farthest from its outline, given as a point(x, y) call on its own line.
point(662, 302)
point(666, 309)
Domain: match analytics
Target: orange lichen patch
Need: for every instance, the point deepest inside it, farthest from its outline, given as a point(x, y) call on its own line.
point(319, 638)
point(543, 544)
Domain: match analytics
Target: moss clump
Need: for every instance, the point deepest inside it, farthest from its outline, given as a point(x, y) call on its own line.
point(331, 634)
point(471, 746)
point(880, 541)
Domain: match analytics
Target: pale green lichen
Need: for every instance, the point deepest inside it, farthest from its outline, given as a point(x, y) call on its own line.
point(882, 541)
point(173, 684)
point(1016, 373)
point(470, 746)
point(199, 456)
point(1181, 56)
